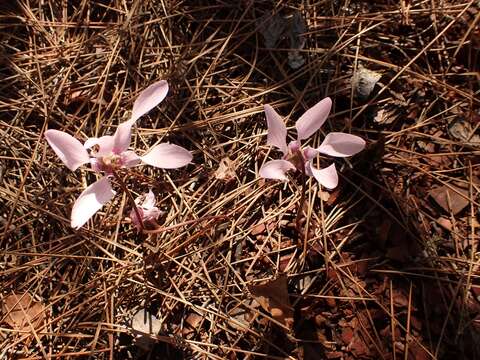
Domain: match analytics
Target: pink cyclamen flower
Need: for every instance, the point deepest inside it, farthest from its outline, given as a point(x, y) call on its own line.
point(110, 153)
point(146, 209)
point(335, 144)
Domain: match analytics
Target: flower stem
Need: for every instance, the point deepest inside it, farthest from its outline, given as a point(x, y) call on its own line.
point(130, 198)
point(140, 221)
point(299, 214)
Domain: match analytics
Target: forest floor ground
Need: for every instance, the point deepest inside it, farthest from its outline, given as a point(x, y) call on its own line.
point(386, 266)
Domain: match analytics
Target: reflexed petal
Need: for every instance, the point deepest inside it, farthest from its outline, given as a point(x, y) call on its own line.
point(90, 201)
point(276, 169)
point(149, 98)
point(68, 149)
point(341, 145)
point(327, 177)
point(121, 138)
point(151, 214)
point(148, 216)
point(129, 159)
point(105, 144)
point(277, 131)
point(149, 201)
point(310, 153)
point(167, 156)
point(313, 119)
point(146, 209)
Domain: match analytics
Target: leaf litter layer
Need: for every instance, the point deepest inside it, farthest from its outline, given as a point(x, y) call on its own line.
point(389, 265)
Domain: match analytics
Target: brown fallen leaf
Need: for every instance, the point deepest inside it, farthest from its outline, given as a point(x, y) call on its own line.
point(416, 323)
point(331, 300)
point(285, 261)
point(346, 335)
point(334, 355)
point(21, 312)
point(192, 324)
point(400, 299)
point(363, 81)
point(262, 227)
point(450, 200)
point(445, 223)
point(226, 170)
point(426, 146)
point(463, 131)
point(385, 116)
point(273, 297)
point(416, 352)
point(358, 347)
point(258, 229)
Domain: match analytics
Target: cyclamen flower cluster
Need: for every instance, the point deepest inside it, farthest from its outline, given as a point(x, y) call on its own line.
point(295, 157)
point(108, 154)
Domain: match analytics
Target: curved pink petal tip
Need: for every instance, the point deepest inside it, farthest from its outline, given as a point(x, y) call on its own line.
point(146, 209)
point(327, 177)
point(310, 153)
point(149, 98)
point(313, 119)
point(68, 149)
point(276, 169)
point(167, 156)
point(277, 131)
point(149, 201)
point(90, 201)
point(341, 145)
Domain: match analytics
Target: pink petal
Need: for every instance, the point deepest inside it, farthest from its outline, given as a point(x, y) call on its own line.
point(276, 169)
point(121, 138)
point(90, 143)
point(277, 131)
point(294, 146)
point(149, 98)
point(146, 209)
point(151, 214)
point(341, 145)
point(129, 159)
point(310, 153)
point(313, 119)
point(105, 145)
point(147, 216)
point(327, 177)
point(96, 164)
point(90, 201)
point(68, 149)
point(149, 201)
point(167, 156)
